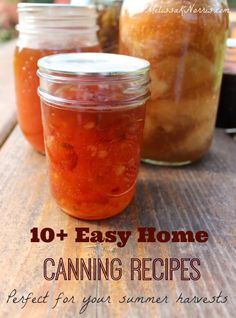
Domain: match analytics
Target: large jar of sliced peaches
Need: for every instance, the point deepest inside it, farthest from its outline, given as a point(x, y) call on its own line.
point(184, 41)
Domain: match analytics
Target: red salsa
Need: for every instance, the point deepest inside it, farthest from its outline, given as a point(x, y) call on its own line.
point(93, 153)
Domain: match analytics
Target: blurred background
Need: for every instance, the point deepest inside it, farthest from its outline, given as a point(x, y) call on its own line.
point(8, 16)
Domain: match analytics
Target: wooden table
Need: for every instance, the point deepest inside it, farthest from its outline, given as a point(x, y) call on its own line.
point(198, 197)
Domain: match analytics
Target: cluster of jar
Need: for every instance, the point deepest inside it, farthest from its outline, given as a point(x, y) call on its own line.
point(91, 119)
point(93, 104)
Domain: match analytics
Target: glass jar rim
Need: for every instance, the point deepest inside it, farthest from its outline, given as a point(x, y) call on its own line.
point(92, 64)
point(33, 6)
point(37, 18)
point(107, 72)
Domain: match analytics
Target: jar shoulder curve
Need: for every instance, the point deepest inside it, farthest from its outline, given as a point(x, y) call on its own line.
point(169, 5)
point(173, 12)
point(175, 30)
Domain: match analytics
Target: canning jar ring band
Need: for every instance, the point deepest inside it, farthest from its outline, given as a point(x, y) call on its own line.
point(82, 105)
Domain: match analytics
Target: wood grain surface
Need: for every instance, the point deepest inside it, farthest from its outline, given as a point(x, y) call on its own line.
point(198, 197)
point(7, 94)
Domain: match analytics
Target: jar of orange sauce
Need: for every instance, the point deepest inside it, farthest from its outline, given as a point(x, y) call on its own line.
point(46, 29)
point(93, 110)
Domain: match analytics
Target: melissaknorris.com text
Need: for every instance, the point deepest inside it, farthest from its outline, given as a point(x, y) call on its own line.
point(188, 9)
point(145, 269)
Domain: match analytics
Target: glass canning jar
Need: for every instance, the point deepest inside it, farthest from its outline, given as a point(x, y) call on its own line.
point(93, 109)
point(184, 41)
point(46, 29)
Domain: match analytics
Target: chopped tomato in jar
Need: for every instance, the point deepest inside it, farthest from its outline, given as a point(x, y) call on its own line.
point(93, 158)
point(93, 110)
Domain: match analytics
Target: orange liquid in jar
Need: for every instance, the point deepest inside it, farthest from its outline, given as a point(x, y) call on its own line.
point(26, 85)
point(93, 157)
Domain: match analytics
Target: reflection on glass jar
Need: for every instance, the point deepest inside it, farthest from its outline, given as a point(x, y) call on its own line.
point(46, 29)
point(186, 52)
point(108, 22)
point(93, 108)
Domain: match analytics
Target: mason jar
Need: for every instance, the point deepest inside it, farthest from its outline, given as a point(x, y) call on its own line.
point(93, 109)
point(185, 42)
point(46, 29)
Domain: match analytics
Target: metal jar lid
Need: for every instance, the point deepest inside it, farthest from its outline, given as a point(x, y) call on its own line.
point(92, 64)
point(119, 79)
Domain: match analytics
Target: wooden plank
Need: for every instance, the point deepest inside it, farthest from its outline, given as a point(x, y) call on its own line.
point(7, 93)
point(198, 197)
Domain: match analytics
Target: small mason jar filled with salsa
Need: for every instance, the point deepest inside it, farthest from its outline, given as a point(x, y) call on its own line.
point(93, 109)
point(46, 29)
